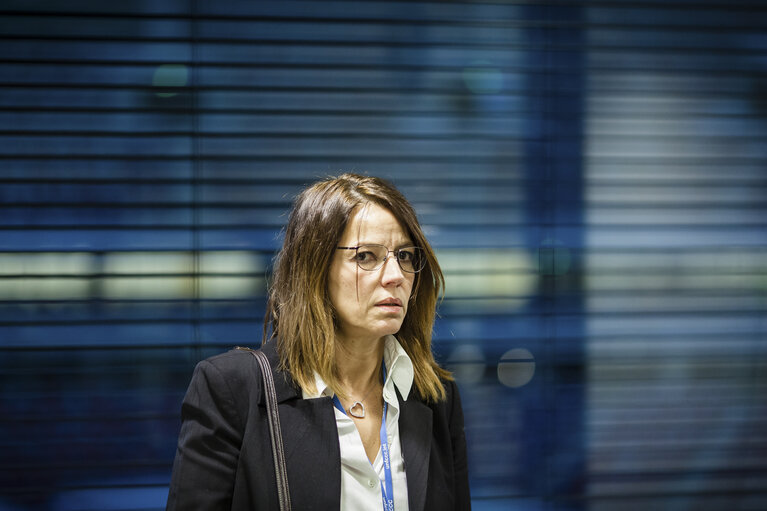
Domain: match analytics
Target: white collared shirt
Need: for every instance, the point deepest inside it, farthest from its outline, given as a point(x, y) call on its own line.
point(361, 480)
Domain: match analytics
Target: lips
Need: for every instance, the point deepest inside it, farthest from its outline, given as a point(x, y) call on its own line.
point(390, 302)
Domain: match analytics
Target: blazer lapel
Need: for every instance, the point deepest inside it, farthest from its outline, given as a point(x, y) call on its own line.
point(310, 439)
point(415, 424)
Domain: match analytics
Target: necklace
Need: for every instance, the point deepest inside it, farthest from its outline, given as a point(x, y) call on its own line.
point(357, 409)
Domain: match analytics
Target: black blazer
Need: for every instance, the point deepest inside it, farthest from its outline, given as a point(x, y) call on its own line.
point(224, 458)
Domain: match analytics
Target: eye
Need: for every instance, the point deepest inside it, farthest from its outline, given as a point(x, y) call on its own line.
point(365, 257)
point(406, 255)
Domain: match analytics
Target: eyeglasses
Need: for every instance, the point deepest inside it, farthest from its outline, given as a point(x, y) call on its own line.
point(372, 257)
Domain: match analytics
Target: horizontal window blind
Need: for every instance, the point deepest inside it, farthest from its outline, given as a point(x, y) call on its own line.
point(674, 274)
point(591, 175)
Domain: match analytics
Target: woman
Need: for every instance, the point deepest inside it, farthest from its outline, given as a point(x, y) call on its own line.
point(349, 322)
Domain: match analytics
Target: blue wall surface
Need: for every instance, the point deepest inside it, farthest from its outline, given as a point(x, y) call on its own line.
point(592, 175)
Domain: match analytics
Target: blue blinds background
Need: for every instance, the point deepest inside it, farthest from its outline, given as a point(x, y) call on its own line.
point(592, 175)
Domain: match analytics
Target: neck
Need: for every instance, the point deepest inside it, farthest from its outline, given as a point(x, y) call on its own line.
point(358, 363)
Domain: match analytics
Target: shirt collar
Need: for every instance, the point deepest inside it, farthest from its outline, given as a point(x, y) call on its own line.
point(399, 367)
point(399, 371)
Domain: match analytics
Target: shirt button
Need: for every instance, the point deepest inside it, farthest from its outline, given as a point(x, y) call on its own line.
point(371, 483)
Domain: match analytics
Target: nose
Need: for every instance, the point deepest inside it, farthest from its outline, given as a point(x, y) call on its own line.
point(391, 273)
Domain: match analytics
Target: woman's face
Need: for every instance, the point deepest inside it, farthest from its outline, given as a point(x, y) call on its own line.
point(369, 304)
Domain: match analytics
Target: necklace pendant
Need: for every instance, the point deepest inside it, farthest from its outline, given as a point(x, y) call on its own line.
point(357, 410)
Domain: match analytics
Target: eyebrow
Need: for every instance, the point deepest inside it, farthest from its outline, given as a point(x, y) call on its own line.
point(400, 245)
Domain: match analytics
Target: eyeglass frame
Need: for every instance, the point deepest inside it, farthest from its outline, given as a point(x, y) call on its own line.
point(383, 261)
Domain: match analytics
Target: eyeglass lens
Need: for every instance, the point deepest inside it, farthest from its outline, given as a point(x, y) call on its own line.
point(371, 257)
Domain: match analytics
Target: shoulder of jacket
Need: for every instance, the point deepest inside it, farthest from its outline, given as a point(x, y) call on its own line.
point(451, 391)
point(234, 355)
point(235, 364)
point(450, 388)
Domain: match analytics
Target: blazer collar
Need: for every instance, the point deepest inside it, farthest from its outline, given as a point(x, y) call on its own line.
point(415, 424)
point(308, 432)
point(284, 385)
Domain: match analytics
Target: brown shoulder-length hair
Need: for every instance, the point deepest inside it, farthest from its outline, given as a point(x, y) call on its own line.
point(299, 313)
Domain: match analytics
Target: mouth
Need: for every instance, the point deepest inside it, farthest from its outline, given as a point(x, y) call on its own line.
point(390, 302)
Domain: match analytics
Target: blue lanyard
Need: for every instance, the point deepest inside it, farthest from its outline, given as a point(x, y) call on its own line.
point(387, 492)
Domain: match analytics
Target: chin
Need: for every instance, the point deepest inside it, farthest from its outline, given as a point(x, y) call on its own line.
point(393, 330)
point(384, 330)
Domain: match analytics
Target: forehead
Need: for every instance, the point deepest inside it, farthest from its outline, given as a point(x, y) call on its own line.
point(371, 223)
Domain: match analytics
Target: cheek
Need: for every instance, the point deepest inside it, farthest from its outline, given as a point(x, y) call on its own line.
point(411, 287)
point(343, 290)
